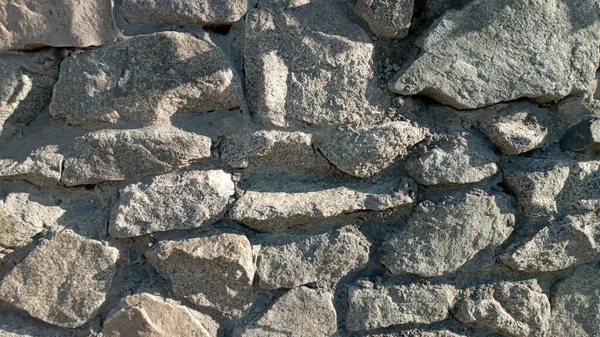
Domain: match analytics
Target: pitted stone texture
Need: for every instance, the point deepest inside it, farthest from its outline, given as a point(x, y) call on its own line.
point(386, 18)
point(190, 12)
point(214, 271)
point(442, 235)
point(31, 24)
point(536, 183)
point(576, 304)
point(501, 50)
point(23, 96)
point(563, 244)
point(453, 159)
point(41, 167)
point(64, 281)
point(380, 306)
point(363, 152)
point(128, 81)
point(113, 155)
point(518, 309)
point(289, 260)
point(153, 316)
point(299, 203)
point(301, 312)
point(582, 137)
point(172, 201)
point(16, 325)
point(420, 333)
point(272, 150)
point(581, 191)
point(289, 77)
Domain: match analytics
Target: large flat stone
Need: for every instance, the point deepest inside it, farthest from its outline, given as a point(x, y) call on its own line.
point(41, 167)
point(64, 281)
point(492, 51)
point(190, 12)
point(127, 80)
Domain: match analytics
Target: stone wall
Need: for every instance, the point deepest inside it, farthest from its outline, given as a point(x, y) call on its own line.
point(376, 168)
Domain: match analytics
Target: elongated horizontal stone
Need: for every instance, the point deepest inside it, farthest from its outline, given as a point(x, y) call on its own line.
point(191, 12)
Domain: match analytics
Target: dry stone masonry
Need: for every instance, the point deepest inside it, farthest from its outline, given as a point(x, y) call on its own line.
point(299, 168)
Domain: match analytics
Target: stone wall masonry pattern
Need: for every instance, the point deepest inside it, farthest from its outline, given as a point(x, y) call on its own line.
point(299, 168)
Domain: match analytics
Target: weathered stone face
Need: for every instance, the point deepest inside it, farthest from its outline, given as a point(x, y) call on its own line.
point(195, 12)
point(386, 18)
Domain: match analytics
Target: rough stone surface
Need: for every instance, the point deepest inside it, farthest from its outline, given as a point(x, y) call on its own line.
point(293, 260)
point(214, 271)
point(562, 244)
point(301, 203)
point(582, 137)
point(64, 281)
point(581, 191)
point(290, 80)
point(42, 168)
point(110, 155)
point(442, 235)
point(195, 12)
point(535, 183)
point(516, 309)
point(30, 24)
point(460, 159)
point(576, 304)
point(173, 201)
point(301, 312)
point(152, 316)
point(127, 80)
point(501, 50)
point(372, 149)
point(386, 18)
point(382, 306)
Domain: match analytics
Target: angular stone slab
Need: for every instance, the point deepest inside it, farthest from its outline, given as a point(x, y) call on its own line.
point(363, 152)
point(299, 312)
point(286, 84)
point(113, 155)
point(189, 12)
point(442, 235)
point(500, 50)
point(572, 241)
point(386, 18)
point(43, 168)
point(386, 305)
point(215, 270)
point(172, 201)
point(153, 316)
point(288, 260)
point(582, 137)
point(127, 80)
point(300, 203)
point(31, 24)
point(518, 309)
point(64, 281)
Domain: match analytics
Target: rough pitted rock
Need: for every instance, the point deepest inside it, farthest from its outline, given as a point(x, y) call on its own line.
point(500, 50)
point(23, 96)
point(519, 309)
point(290, 260)
point(581, 191)
point(576, 304)
point(301, 312)
point(172, 201)
point(442, 235)
point(113, 155)
point(300, 203)
point(127, 80)
point(13, 233)
point(153, 316)
point(379, 306)
point(41, 167)
point(289, 79)
point(31, 24)
point(272, 150)
point(457, 159)
point(64, 281)
point(194, 12)
point(569, 242)
point(420, 333)
point(214, 271)
point(15, 325)
point(582, 137)
point(386, 18)
point(363, 152)
point(536, 183)
point(514, 128)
